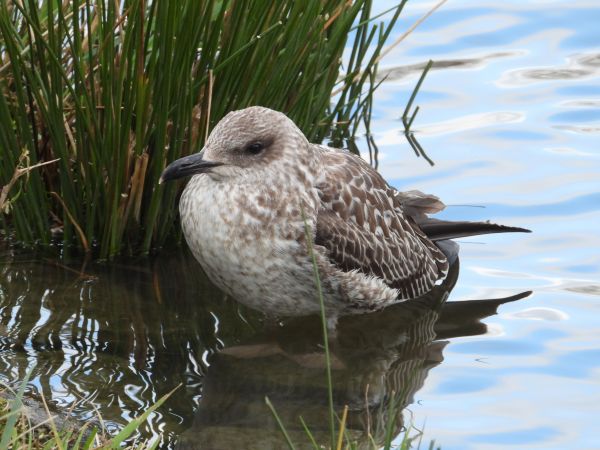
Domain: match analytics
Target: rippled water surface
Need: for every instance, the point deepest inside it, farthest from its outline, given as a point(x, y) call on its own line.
point(510, 113)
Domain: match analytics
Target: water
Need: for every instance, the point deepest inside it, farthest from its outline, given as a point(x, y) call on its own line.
point(513, 125)
point(510, 116)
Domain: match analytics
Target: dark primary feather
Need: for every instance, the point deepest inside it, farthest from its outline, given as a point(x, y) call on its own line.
point(436, 229)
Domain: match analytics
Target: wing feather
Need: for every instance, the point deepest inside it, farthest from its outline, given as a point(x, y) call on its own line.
point(364, 225)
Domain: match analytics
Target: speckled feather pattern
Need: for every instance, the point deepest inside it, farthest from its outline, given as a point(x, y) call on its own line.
point(244, 223)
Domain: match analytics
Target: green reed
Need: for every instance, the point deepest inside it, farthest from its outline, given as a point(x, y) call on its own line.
point(18, 431)
point(116, 90)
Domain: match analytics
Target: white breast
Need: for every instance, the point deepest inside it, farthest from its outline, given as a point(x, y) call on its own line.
point(248, 251)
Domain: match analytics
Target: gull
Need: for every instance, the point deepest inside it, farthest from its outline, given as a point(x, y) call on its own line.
point(258, 186)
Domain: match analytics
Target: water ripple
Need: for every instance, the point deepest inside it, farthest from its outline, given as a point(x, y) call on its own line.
point(470, 122)
point(580, 129)
point(396, 73)
point(578, 67)
point(585, 203)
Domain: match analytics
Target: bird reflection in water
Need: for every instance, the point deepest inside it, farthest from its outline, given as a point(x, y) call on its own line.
point(120, 336)
point(379, 361)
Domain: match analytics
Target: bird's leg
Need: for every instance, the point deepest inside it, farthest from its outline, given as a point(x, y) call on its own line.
point(332, 321)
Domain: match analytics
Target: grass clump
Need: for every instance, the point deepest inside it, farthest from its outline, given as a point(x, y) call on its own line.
point(116, 90)
point(18, 431)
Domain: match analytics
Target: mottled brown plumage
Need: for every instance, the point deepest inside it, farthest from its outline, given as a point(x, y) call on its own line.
point(255, 186)
point(363, 224)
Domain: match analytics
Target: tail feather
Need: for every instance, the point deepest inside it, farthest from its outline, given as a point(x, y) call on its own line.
point(438, 230)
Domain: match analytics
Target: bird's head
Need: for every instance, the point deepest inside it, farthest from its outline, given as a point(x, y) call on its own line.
point(250, 145)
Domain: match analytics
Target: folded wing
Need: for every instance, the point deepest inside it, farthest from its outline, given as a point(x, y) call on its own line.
point(367, 226)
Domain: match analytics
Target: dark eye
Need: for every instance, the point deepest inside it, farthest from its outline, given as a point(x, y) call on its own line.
point(255, 147)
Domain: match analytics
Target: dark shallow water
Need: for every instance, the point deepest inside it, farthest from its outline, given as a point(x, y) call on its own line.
point(510, 116)
point(115, 338)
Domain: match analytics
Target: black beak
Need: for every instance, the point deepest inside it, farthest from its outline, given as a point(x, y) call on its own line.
point(188, 165)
